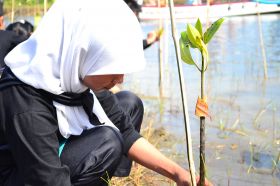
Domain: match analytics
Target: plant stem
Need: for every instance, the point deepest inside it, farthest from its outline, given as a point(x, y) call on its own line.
point(202, 130)
point(202, 78)
point(202, 151)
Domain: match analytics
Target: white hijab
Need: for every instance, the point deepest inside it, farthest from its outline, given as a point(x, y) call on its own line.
point(74, 39)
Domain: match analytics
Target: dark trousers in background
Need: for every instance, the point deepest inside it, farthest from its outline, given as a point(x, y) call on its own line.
point(29, 143)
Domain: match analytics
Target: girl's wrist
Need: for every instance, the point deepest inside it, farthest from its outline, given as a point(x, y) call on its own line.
point(182, 177)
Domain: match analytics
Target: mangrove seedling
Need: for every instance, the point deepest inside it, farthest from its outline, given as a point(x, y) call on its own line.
point(194, 38)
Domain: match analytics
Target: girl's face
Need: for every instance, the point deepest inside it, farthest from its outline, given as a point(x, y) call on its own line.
point(100, 82)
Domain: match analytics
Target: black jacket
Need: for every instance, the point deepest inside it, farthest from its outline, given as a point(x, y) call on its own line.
point(8, 40)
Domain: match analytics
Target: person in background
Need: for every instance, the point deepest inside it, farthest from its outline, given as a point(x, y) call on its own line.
point(10, 39)
point(152, 36)
point(21, 28)
point(14, 34)
point(53, 130)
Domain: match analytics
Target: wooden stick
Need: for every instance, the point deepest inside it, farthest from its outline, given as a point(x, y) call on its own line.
point(160, 56)
point(183, 95)
point(262, 43)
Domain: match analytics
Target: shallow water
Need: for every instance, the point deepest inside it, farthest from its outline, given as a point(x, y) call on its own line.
point(245, 108)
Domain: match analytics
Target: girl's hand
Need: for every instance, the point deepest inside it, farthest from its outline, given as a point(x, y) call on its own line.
point(152, 37)
point(184, 179)
point(207, 183)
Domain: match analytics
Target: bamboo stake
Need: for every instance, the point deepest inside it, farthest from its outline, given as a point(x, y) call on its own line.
point(166, 48)
point(166, 42)
point(262, 42)
point(183, 96)
point(160, 56)
point(207, 14)
point(274, 126)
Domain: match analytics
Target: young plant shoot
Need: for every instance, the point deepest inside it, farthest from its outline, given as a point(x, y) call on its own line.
point(194, 38)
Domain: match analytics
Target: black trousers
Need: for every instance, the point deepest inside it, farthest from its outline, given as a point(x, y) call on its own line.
point(133, 106)
point(29, 144)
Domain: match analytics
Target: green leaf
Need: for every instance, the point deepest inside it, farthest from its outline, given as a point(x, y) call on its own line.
point(185, 53)
point(212, 30)
point(184, 37)
point(201, 45)
point(193, 36)
point(186, 40)
point(198, 26)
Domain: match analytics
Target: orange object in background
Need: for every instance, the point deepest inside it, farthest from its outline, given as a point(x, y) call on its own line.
point(201, 109)
point(162, 3)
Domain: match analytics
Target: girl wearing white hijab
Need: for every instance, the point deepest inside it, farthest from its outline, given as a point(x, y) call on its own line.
point(44, 93)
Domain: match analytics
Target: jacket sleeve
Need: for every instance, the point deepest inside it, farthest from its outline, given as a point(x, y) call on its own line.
point(122, 120)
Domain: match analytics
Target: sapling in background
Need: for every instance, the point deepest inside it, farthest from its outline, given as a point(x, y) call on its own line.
point(194, 38)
